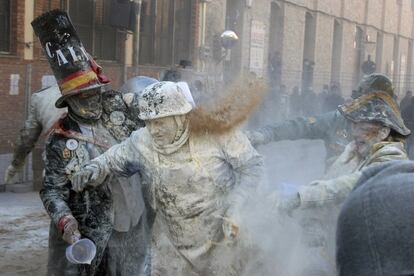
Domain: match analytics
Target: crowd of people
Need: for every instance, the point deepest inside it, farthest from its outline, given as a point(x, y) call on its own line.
point(158, 194)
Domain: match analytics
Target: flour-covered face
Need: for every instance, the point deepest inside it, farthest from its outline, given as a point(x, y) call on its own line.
point(162, 130)
point(367, 134)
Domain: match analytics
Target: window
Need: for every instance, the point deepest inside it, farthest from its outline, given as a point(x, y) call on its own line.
point(378, 51)
point(275, 43)
point(308, 52)
point(91, 21)
point(47, 5)
point(165, 39)
point(182, 31)
point(336, 52)
point(359, 53)
point(5, 26)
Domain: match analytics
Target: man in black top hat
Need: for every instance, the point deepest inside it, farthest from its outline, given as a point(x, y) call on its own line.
point(113, 216)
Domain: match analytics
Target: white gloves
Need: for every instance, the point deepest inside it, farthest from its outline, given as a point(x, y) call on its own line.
point(255, 137)
point(286, 199)
point(10, 173)
point(88, 175)
point(289, 203)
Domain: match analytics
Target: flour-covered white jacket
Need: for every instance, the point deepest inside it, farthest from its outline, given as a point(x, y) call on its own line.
point(192, 189)
point(42, 115)
point(344, 173)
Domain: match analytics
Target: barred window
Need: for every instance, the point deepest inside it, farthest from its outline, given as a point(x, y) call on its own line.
point(165, 34)
point(91, 21)
point(5, 26)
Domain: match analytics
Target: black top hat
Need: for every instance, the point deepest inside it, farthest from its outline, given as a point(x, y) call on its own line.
point(73, 67)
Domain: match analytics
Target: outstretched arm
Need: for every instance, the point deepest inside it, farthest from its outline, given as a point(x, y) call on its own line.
point(299, 128)
point(328, 192)
point(25, 143)
point(121, 159)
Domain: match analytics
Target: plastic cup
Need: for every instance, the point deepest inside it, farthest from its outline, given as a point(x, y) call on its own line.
point(81, 252)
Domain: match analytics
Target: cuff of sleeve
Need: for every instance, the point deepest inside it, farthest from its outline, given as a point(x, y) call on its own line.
point(63, 221)
point(309, 196)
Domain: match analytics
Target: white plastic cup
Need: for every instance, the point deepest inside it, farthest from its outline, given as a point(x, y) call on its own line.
point(81, 252)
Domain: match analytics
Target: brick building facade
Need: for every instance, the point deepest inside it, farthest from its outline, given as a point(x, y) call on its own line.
point(161, 42)
point(310, 43)
point(323, 41)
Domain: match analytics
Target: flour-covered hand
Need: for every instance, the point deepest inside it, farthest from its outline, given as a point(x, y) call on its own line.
point(289, 203)
point(10, 173)
point(88, 175)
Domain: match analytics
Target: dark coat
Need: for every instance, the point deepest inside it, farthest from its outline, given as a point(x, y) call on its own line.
point(375, 226)
point(92, 208)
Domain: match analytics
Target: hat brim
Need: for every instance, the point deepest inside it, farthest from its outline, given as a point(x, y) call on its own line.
point(377, 107)
point(61, 102)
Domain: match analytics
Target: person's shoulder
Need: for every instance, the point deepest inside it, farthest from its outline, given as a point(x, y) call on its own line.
point(63, 126)
point(47, 91)
point(232, 136)
point(56, 142)
point(389, 146)
point(46, 95)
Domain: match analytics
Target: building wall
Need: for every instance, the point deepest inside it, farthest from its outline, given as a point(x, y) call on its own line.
point(385, 16)
point(324, 41)
point(293, 43)
point(27, 52)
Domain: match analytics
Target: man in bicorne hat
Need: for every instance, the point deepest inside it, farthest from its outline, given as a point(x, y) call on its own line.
point(113, 216)
point(331, 127)
point(378, 135)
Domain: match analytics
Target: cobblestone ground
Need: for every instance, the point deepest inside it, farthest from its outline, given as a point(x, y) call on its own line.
point(23, 234)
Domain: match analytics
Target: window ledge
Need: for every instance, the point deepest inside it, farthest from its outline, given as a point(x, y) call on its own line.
point(109, 62)
point(12, 56)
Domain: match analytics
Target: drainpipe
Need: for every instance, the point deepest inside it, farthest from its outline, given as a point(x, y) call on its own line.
point(137, 33)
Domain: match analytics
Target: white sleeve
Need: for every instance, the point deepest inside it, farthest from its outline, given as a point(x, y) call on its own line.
point(121, 159)
point(328, 192)
point(247, 165)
